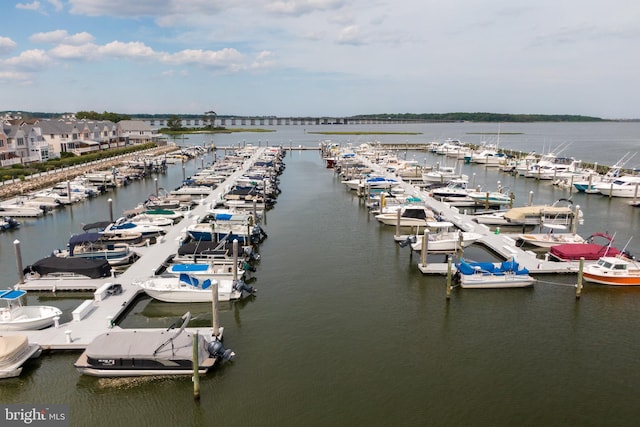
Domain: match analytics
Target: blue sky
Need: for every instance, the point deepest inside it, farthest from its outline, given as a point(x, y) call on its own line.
point(321, 57)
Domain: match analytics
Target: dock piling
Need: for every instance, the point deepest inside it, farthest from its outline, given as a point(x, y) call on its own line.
point(196, 374)
point(16, 245)
point(579, 284)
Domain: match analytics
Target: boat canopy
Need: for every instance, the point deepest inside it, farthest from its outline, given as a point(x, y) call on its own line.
point(79, 239)
point(12, 294)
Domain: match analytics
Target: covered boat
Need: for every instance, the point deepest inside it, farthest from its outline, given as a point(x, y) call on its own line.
point(129, 353)
point(97, 246)
point(14, 352)
point(588, 250)
point(54, 266)
point(507, 274)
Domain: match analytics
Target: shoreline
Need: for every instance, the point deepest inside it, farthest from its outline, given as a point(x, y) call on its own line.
point(32, 183)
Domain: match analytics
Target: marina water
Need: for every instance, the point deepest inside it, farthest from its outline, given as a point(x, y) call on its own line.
point(346, 331)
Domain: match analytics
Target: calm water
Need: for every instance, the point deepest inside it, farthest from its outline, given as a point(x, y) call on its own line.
point(346, 331)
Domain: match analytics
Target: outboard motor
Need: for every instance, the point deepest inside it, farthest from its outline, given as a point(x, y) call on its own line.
point(240, 285)
point(216, 349)
point(406, 242)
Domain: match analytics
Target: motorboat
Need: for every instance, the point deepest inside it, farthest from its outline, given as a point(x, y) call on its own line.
point(491, 218)
point(15, 350)
point(613, 270)
point(188, 288)
point(124, 225)
point(456, 189)
point(543, 214)
point(20, 210)
point(443, 174)
point(486, 275)
point(551, 237)
point(588, 183)
point(444, 238)
point(371, 183)
point(221, 270)
point(131, 353)
point(18, 317)
point(409, 216)
point(148, 219)
point(8, 223)
point(491, 198)
point(95, 246)
point(589, 251)
point(624, 186)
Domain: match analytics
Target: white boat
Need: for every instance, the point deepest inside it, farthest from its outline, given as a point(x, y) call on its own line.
point(456, 189)
point(489, 157)
point(614, 271)
point(133, 353)
point(490, 198)
point(371, 183)
point(410, 216)
point(124, 225)
point(187, 288)
point(15, 350)
point(444, 238)
point(148, 219)
point(624, 186)
point(488, 275)
point(443, 174)
point(16, 317)
point(20, 210)
point(550, 238)
point(491, 218)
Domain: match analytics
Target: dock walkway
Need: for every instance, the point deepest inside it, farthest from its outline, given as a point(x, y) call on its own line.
point(96, 316)
point(501, 244)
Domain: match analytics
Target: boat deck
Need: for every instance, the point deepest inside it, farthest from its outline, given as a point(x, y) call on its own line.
point(94, 316)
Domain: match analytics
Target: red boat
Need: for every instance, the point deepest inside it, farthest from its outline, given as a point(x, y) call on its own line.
point(589, 250)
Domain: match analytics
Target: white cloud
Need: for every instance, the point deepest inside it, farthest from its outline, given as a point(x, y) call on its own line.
point(29, 60)
point(218, 59)
point(131, 50)
point(57, 4)
point(13, 76)
point(35, 6)
point(63, 37)
point(301, 7)
point(350, 35)
point(7, 45)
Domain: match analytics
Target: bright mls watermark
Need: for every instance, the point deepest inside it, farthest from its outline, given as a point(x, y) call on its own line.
point(34, 415)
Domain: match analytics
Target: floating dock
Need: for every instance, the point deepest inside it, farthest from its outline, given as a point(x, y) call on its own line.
point(96, 315)
point(501, 244)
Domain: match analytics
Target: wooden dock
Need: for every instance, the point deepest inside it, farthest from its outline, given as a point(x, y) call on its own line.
point(95, 316)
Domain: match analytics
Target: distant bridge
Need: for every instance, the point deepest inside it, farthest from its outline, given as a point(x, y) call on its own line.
point(223, 121)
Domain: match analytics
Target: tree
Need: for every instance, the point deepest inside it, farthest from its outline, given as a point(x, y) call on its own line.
point(211, 118)
point(174, 123)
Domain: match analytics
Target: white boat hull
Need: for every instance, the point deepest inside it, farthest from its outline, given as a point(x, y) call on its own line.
point(28, 317)
point(480, 281)
point(550, 239)
point(172, 290)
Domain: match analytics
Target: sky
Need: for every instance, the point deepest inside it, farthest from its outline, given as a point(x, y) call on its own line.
point(321, 57)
